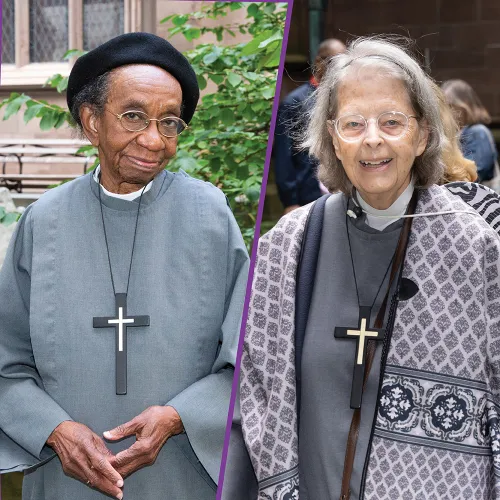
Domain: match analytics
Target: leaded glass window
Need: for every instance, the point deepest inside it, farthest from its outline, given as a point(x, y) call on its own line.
point(48, 30)
point(8, 38)
point(102, 20)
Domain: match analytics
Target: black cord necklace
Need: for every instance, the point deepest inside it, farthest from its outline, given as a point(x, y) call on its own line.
point(120, 321)
point(354, 268)
point(133, 241)
point(362, 333)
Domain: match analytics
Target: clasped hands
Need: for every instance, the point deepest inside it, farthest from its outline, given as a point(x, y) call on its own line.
point(84, 454)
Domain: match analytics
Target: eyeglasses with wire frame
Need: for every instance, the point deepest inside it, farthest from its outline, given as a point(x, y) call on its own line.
point(353, 127)
point(135, 121)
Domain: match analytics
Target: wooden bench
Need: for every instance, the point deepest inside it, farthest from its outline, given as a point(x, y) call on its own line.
point(31, 166)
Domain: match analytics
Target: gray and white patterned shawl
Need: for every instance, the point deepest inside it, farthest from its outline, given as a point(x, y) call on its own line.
point(437, 431)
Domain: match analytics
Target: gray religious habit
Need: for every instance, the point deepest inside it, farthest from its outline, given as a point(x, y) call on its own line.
point(361, 335)
point(120, 322)
point(189, 273)
point(327, 361)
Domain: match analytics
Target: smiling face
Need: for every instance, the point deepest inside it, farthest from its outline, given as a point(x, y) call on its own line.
point(378, 167)
point(129, 160)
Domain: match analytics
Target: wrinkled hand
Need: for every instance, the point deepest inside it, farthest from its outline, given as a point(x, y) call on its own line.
point(85, 457)
point(151, 428)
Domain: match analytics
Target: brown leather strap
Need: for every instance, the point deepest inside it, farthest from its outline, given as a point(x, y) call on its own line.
point(352, 437)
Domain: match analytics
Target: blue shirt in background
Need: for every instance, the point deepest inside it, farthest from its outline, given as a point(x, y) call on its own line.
point(478, 145)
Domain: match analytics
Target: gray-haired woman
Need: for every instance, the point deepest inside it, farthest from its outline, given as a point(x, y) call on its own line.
point(371, 363)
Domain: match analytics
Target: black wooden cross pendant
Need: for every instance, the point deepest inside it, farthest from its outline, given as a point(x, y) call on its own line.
point(121, 322)
point(361, 335)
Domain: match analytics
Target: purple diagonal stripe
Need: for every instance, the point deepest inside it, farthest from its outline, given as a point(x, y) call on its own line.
point(258, 221)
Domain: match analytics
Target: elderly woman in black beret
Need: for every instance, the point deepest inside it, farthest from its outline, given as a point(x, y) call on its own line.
point(121, 296)
point(371, 362)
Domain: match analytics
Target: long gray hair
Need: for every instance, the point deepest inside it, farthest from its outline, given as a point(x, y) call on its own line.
point(394, 59)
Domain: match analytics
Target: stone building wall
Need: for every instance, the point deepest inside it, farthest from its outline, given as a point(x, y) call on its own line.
point(458, 38)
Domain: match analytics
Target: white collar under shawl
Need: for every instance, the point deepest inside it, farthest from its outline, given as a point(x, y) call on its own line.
point(375, 218)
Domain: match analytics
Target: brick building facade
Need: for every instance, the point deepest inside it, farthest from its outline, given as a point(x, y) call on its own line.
point(457, 38)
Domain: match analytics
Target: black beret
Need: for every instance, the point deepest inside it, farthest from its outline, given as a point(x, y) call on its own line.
point(136, 48)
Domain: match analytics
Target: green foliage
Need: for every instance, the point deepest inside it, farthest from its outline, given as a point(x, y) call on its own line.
point(226, 141)
point(8, 218)
point(51, 115)
point(59, 82)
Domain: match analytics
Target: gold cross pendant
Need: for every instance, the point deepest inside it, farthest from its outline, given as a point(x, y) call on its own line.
point(362, 334)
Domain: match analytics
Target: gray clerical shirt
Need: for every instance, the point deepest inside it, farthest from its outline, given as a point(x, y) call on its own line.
point(189, 275)
point(327, 362)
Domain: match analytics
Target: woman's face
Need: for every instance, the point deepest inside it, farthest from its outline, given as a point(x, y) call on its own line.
point(379, 167)
point(129, 160)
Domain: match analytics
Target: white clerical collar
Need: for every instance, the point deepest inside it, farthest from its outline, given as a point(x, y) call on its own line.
point(128, 196)
point(397, 208)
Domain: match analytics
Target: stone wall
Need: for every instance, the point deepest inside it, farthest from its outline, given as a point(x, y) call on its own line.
point(458, 38)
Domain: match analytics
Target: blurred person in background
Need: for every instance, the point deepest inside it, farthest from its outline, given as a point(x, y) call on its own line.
point(476, 140)
point(295, 169)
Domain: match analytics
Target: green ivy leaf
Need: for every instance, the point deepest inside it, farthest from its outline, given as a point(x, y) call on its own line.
point(54, 80)
point(268, 93)
point(9, 99)
point(231, 163)
point(211, 57)
point(273, 38)
point(253, 193)
point(48, 119)
point(187, 163)
point(60, 120)
point(218, 79)
point(252, 46)
point(201, 82)
point(192, 33)
point(32, 111)
point(243, 171)
point(180, 19)
point(269, 8)
point(250, 75)
point(227, 116)
point(174, 31)
point(215, 164)
point(234, 79)
point(14, 105)
point(253, 10)
point(272, 60)
point(62, 85)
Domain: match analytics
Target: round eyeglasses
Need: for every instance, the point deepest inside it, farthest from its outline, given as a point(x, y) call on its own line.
point(391, 125)
point(135, 121)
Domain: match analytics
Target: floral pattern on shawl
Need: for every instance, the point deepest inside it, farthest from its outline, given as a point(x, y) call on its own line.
point(405, 461)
